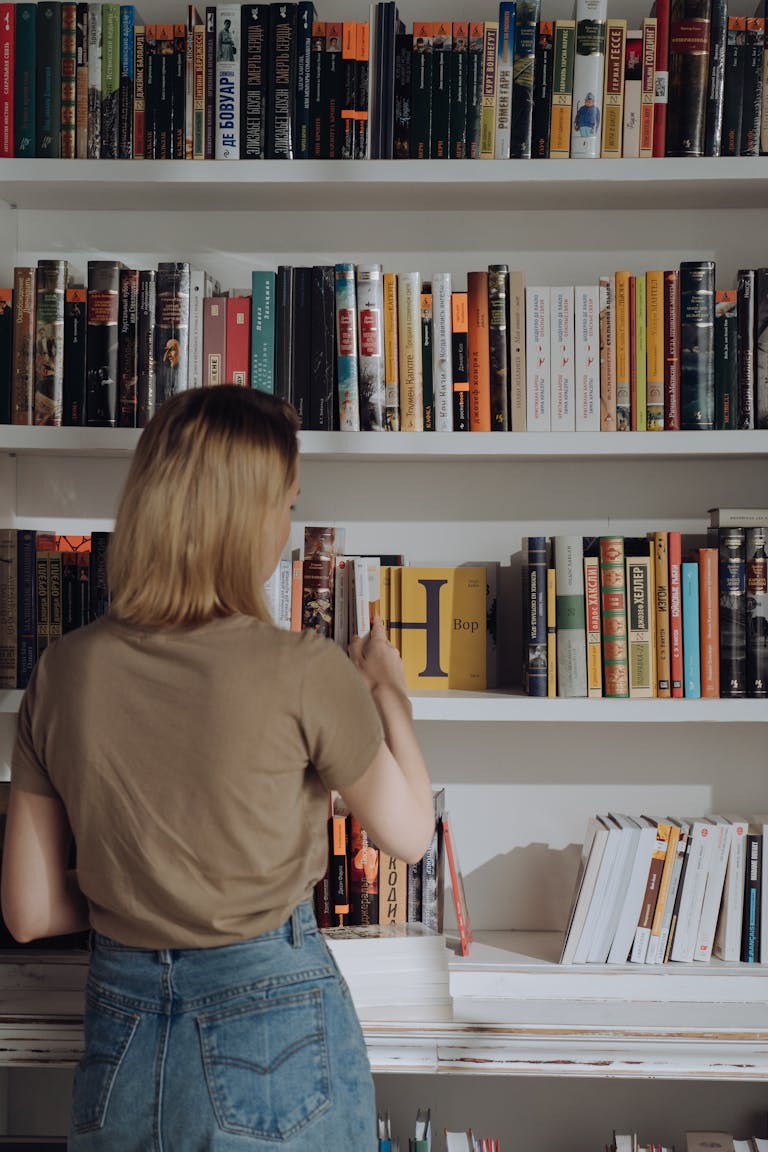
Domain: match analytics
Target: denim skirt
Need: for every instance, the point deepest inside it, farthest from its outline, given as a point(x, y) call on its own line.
point(246, 1048)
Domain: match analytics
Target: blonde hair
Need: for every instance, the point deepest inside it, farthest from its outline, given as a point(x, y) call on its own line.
point(198, 510)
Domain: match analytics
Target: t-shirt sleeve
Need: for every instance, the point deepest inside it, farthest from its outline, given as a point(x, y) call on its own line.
point(28, 772)
point(341, 724)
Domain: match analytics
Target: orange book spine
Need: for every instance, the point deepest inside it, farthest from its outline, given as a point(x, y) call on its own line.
point(297, 583)
point(709, 622)
point(479, 352)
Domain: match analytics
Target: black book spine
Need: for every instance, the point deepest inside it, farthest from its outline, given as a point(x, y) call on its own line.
point(458, 115)
point(302, 329)
point(378, 68)
point(284, 324)
point(523, 70)
point(718, 40)
point(442, 54)
point(757, 614)
point(99, 586)
point(304, 20)
point(151, 86)
point(542, 90)
point(362, 100)
point(75, 332)
point(178, 86)
point(49, 79)
point(282, 82)
point(750, 921)
point(733, 97)
point(697, 349)
point(318, 109)
point(322, 349)
point(210, 82)
point(6, 353)
point(688, 68)
point(171, 329)
point(421, 91)
point(26, 586)
point(253, 81)
point(127, 379)
point(498, 344)
point(348, 90)
point(745, 345)
point(333, 78)
point(752, 96)
point(146, 364)
point(427, 356)
point(102, 343)
point(401, 129)
point(760, 394)
point(71, 617)
point(474, 89)
point(726, 363)
point(733, 628)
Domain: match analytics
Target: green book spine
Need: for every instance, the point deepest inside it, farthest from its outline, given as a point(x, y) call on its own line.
point(110, 80)
point(25, 70)
point(263, 287)
point(49, 80)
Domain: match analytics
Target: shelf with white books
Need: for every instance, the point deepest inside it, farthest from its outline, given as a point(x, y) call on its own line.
point(385, 185)
point(359, 447)
point(499, 706)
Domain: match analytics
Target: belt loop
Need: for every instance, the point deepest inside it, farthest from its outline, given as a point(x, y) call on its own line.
point(297, 932)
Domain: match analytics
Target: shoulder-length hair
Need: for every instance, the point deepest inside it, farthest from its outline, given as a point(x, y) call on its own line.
point(197, 516)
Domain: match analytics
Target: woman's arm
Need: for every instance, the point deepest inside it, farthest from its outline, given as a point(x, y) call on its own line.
point(393, 798)
point(40, 896)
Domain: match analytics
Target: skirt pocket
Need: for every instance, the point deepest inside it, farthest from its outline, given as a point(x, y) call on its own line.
point(266, 1064)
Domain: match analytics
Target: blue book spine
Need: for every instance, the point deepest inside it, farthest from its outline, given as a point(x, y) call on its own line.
point(25, 81)
point(535, 615)
point(125, 97)
point(346, 348)
point(263, 290)
point(691, 648)
point(306, 16)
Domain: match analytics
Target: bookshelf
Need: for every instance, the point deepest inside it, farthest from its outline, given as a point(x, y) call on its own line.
point(522, 776)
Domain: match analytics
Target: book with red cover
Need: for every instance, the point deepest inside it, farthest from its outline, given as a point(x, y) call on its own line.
point(238, 345)
point(457, 887)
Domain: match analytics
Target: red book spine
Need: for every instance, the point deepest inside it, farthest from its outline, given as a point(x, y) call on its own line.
point(675, 613)
point(7, 62)
point(661, 79)
point(238, 354)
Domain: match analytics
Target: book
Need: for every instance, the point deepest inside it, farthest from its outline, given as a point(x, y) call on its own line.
point(498, 345)
point(756, 591)
point(23, 345)
point(551, 633)
point(442, 351)
point(745, 346)
point(428, 394)
point(48, 94)
point(634, 892)
point(733, 104)
point(709, 625)
point(752, 95)
point(586, 356)
point(535, 615)
point(641, 618)
point(347, 348)
point(689, 596)
point(50, 292)
point(732, 611)
point(562, 384)
point(697, 351)
point(726, 362)
point(538, 358)
point(443, 627)
point(25, 81)
point(645, 921)
point(613, 607)
point(610, 906)
point(146, 364)
point(648, 91)
point(127, 348)
point(543, 70)
point(669, 832)
point(592, 626)
point(672, 350)
point(409, 352)
point(694, 883)
point(6, 355)
point(321, 545)
point(613, 88)
point(623, 346)
point(227, 90)
point(102, 309)
point(460, 362)
point(727, 940)
point(254, 40)
point(282, 58)
point(517, 352)
point(442, 51)
point(68, 112)
point(236, 359)
point(475, 73)
point(760, 398)
point(750, 921)
point(527, 20)
point(487, 150)
point(432, 869)
point(592, 852)
point(605, 877)
point(171, 328)
point(588, 71)
point(421, 90)
point(662, 614)
point(633, 84)
point(722, 835)
point(571, 622)
point(505, 54)
point(562, 90)
point(363, 875)
point(688, 66)
point(457, 887)
point(459, 62)
point(479, 351)
point(718, 36)
point(607, 338)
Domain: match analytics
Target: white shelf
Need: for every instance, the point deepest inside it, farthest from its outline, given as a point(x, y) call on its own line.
point(358, 447)
point(694, 1022)
point(384, 185)
point(505, 707)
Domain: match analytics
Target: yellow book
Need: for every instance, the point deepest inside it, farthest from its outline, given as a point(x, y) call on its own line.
point(623, 383)
point(488, 106)
point(663, 657)
point(654, 354)
point(409, 338)
point(613, 89)
point(670, 834)
point(641, 406)
point(442, 622)
point(391, 354)
point(551, 633)
point(594, 641)
point(639, 626)
point(562, 90)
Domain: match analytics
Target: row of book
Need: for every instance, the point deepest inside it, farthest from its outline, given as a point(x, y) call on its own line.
point(232, 81)
point(648, 616)
point(354, 348)
point(421, 1141)
point(651, 891)
point(694, 1142)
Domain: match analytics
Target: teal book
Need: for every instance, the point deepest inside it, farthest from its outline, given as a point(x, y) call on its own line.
point(691, 646)
point(25, 83)
point(263, 291)
point(346, 348)
point(48, 124)
point(128, 23)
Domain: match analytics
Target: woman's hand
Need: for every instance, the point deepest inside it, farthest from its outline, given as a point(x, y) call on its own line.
point(377, 660)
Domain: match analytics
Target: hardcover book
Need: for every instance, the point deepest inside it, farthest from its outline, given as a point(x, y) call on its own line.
point(571, 621)
point(442, 351)
point(443, 627)
point(51, 286)
point(586, 126)
point(102, 343)
point(479, 352)
point(757, 612)
point(733, 618)
point(146, 364)
point(613, 602)
point(543, 69)
point(228, 48)
point(171, 328)
point(23, 353)
point(697, 351)
point(562, 90)
point(409, 349)
point(534, 549)
point(613, 88)
point(688, 66)
point(526, 30)
point(370, 320)
point(498, 345)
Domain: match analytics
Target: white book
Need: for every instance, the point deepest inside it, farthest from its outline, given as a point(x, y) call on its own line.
point(763, 893)
point(538, 358)
point(644, 927)
point(342, 583)
point(633, 87)
point(727, 942)
point(595, 911)
point(459, 1141)
point(370, 346)
point(283, 619)
point(588, 66)
point(634, 892)
point(228, 49)
point(359, 602)
point(442, 351)
point(562, 375)
point(713, 893)
point(677, 870)
point(589, 866)
point(702, 842)
point(272, 595)
point(571, 616)
point(610, 909)
point(586, 357)
point(409, 349)
point(201, 285)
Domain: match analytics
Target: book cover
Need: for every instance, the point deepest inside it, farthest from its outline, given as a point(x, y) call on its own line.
point(321, 545)
point(489, 83)
point(562, 377)
point(688, 66)
point(475, 55)
point(428, 392)
point(443, 632)
point(588, 69)
point(263, 330)
point(607, 337)
point(571, 619)
point(543, 70)
point(363, 876)
point(613, 88)
point(535, 615)
point(523, 70)
point(410, 352)
point(457, 139)
point(254, 38)
point(517, 360)
point(718, 38)
point(102, 343)
point(562, 90)
point(697, 352)
point(370, 309)
point(25, 81)
point(48, 92)
point(538, 358)
point(756, 579)
point(732, 614)
point(236, 358)
point(146, 364)
point(127, 348)
point(442, 351)
point(442, 51)
point(613, 607)
point(689, 594)
point(633, 84)
point(227, 116)
point(51, 286)
point(322, 385)
point(498, 345)
point(171, 328)
point(640, 618)
point(505, 51)
point(672, 350)
point(709, 627)
point(460, 361)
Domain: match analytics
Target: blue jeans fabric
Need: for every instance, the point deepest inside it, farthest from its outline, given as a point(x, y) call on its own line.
point(245, 1048)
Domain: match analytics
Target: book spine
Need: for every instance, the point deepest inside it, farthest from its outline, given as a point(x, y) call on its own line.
point(642, 940)
point(94, 80)
point(197, 295)
point(670, 833)
point(718, 37)
point(745, 345)
point(654, 363)
point(733, 620)
point(6, 355)
point(51, 286)
point(760, 392)
point(317, 612)
point(640, 626)
point(588, 68)
point(127, 345)
point(750, 923)
point(210, 82)
point(726, 362)
point(691, 641)
point(146, 364)
point(409, 346)
point(9, 595)
point(171, 329)
point(338, 867)
point(99, 587)
point(110, 80)
point(102, 343)
point(139, 92)
point(479, 352)
point(263, 330)
point(562, 90)
point(48, 102)
point(403, 96)
point(177, 87)
point(442, 51)
point(25, 81)
point(68, 126)
point(633, 83)
point(323, 349)
point(613, 609)
point(623, 336)
point(7, 53)
point(498, 346)
point(215, 340)
point(421, 91)
point(198, 91)
point(697, 353)
point(474, 88)
point(27, 605)
point(304, 20)
point(428, 387)
point(535, 615)
point(127, 77)
point(663, 643)
point(517, 364)
point(284, 336)
point(538, 358)
point(505, 49)
point(607, 334)
point(460, 360)
point(640, 350)
point(488, 100)
point(318, 116)
point(674, 547)
point(613, 89)
point(236, 360)
point(544, 62)
point(688, 65)
point(281, 102)
point(253, 95)
point(363, 876)
point(346, 348)
point(43, 595)
point(757, 613)
point(432, 882)
point(74, 356)
point(459, 81)
point(562, 378)
point(733, 105)
point(349, 89)
point(709, 639)
point(227, 123)
point(54, 591)
point(442, 351)
point(570, 616)
point(393, 896)
point(752, 98)
point(592, 627)
point(302, 329)
point(648, 90)
point(370, 320)
point(671, 905)
point(672, 350)
point(23, 362)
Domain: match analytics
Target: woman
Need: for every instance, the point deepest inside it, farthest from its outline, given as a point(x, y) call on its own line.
point(189, 745)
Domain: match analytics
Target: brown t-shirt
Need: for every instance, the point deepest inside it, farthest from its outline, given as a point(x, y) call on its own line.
point(194, 766)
